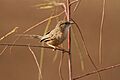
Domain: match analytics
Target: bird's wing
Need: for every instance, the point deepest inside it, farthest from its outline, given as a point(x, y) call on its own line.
point(45, 37)
point(49, 35)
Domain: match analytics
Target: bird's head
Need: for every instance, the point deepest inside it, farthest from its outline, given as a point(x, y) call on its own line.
point(63, 25)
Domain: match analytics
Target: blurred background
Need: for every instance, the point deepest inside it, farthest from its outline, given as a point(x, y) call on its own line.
point(19, 64)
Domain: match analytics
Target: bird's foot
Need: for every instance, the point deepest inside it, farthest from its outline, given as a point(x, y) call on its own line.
point(55, 49)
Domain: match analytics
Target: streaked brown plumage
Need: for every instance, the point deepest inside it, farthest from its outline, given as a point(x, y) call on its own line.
point(56, 36)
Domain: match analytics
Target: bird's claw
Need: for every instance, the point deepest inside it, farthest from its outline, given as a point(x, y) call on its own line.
point(54, 49)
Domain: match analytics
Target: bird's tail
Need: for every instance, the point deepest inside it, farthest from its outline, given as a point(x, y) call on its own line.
point(31, 36)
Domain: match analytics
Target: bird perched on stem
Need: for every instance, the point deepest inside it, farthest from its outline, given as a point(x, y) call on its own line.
point(55, 37)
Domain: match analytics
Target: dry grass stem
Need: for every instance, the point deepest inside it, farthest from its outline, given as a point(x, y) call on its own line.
point(76, 6)
point(9, 33)
point(78, 49)
point(3, 50)
point(73, 2)
point(14, 43)
point(86, 50)
point(33, 54)
point(60, 66)
point(14, 30)
point(55, 57)
point(94, 72)
point(101, 33)
point(45, 31)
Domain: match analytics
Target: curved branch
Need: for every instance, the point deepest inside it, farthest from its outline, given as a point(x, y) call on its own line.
point(86, 49)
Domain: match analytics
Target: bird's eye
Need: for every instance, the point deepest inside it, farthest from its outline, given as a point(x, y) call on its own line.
point(67, 23)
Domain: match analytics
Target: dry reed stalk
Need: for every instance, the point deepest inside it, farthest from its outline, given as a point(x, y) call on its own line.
point(9, 33)
point(33, 54)
point(101, 32)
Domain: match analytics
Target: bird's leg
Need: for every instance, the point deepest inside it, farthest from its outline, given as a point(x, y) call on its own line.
point(60, 47)
point(52, 47)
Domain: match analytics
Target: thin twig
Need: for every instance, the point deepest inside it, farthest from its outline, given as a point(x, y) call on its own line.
point(55, 57)
point(3, 50)
point(87, 52)
point(14, 43)
point(101, 33)
point(25, 45)
point(64, 7)
point(73, 2)
point(9, 33)
point(60, 65)
point(40, 77)
point(76, 6)
point(94, 72)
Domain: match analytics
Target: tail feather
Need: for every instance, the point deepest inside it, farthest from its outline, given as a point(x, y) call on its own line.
point(32, 36)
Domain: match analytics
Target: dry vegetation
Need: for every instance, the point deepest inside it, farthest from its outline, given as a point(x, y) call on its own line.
point(69, 8)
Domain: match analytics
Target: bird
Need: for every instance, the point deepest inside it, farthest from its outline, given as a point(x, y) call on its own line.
point(56, 36)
